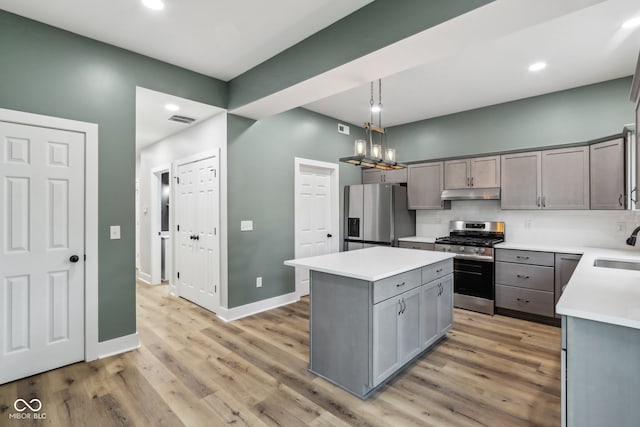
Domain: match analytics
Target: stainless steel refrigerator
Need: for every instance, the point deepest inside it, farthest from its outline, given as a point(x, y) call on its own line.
point(376, 214)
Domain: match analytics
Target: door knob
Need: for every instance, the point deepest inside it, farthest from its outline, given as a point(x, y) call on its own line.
point(329, 235)
point(74, 258)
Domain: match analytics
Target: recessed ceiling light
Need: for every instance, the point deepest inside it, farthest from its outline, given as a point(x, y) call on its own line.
point(153, 4)
point(632, 23)
point(171, 107)
point(537, 66)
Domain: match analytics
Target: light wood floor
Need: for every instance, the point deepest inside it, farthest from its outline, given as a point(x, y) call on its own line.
point(196, 370)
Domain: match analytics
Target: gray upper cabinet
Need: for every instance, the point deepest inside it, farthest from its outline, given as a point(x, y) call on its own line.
point(478, 172)
point(565, 178)
point(607, 175)
point(424, 186)
point(521, 181)
point(377, 176)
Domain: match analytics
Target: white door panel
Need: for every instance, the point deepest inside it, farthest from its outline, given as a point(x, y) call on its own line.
point(313, 218)
point(197, 211)
point(42, 220)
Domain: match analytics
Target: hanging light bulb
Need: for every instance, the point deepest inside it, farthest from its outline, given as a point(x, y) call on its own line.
point(360, 147)
point(390, 155)
point(376, 151)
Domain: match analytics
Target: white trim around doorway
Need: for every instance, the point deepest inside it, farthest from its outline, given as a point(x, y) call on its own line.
point(155, 215)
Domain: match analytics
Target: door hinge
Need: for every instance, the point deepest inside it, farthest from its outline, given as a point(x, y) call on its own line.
point(215, 231)
point(178, 227)
point(85, 257)
point(177, 180)
point(178, 274)
point(215, 289)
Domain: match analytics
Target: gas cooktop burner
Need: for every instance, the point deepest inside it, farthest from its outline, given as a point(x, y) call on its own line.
point(486, 242)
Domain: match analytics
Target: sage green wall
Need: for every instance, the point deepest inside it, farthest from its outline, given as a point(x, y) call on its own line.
point(261, 188)
point(49, 71)
point(574, 115)
point(374, 26)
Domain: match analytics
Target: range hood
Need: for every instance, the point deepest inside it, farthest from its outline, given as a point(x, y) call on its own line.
point(472, 194)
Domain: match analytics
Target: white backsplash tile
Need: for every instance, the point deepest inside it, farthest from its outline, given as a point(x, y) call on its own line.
point(576, 228)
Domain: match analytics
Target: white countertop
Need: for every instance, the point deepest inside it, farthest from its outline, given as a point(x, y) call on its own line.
point(370, 264)
point(603, 294)
point(420, 239)
point(547, 247)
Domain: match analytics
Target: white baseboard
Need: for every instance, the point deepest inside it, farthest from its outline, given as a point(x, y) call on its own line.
point(229, 314)
point(118, 345)
point(144, 277)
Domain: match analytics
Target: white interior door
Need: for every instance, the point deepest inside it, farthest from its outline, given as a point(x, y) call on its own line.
point(316, 216)
point(42, 221)
point(198, 240)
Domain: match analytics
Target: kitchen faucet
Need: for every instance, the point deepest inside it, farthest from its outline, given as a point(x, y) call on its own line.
point(631, 241)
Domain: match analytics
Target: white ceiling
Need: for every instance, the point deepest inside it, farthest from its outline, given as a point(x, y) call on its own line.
point(474, 60)
point(152, 119)
point(219, 38)
point(583, 47)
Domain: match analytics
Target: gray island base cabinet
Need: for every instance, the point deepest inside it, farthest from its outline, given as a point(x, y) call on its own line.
point(362, 333)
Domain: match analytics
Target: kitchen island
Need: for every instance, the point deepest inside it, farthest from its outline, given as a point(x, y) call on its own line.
point(374, 311)
point(600, 310)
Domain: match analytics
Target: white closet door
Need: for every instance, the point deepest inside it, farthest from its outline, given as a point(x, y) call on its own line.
point(42, 221)
point(198, 208)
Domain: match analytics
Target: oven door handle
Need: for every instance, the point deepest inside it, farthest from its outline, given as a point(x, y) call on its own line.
point(467, 272)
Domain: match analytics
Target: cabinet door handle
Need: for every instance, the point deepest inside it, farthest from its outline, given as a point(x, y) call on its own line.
point(522, 257)
point(544, 202)
point(400, 285)
point(472, 181)
point(538, 201)
point(620, 200)
point(635, 190)
point(520, 276)
point(523, 301)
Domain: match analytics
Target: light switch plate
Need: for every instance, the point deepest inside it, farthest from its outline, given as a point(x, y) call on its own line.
point(114, 232)
point(246, 225)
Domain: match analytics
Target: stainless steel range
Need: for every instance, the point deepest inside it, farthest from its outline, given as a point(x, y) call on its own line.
point(472, 242)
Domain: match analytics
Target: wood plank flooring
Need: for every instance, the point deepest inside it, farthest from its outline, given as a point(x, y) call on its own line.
point(195, 370)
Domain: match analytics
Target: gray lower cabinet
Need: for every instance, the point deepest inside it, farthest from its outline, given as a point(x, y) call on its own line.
point(396, 333)
point(376, 176)
point(600, 375)
point(436, 314)
point(525, 281)
point(362, 333)
point(565, 266)
point(425, 182)
point(607, 175)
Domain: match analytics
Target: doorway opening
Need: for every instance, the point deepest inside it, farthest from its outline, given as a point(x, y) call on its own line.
point(161, 219)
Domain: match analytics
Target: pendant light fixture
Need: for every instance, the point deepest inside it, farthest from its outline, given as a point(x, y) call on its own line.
point(373, 151)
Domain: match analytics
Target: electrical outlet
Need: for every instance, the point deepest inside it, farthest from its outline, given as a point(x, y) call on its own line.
point(621, 227)
point(246, 225)
point(344, 129)
point(258, 282)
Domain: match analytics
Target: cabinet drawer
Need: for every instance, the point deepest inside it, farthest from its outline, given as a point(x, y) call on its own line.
point(525, 276)
point(394, 285)
point(527, 300)
point(416, 245)
point(439, 269)
point(525, 257)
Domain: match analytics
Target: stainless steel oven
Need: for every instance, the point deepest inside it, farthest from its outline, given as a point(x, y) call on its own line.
point(472, 242)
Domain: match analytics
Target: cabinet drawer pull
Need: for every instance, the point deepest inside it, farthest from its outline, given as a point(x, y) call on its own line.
point(399, 285)
point(522, 257)
point(523, 301)
point(520, 276)
point(439, 270)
